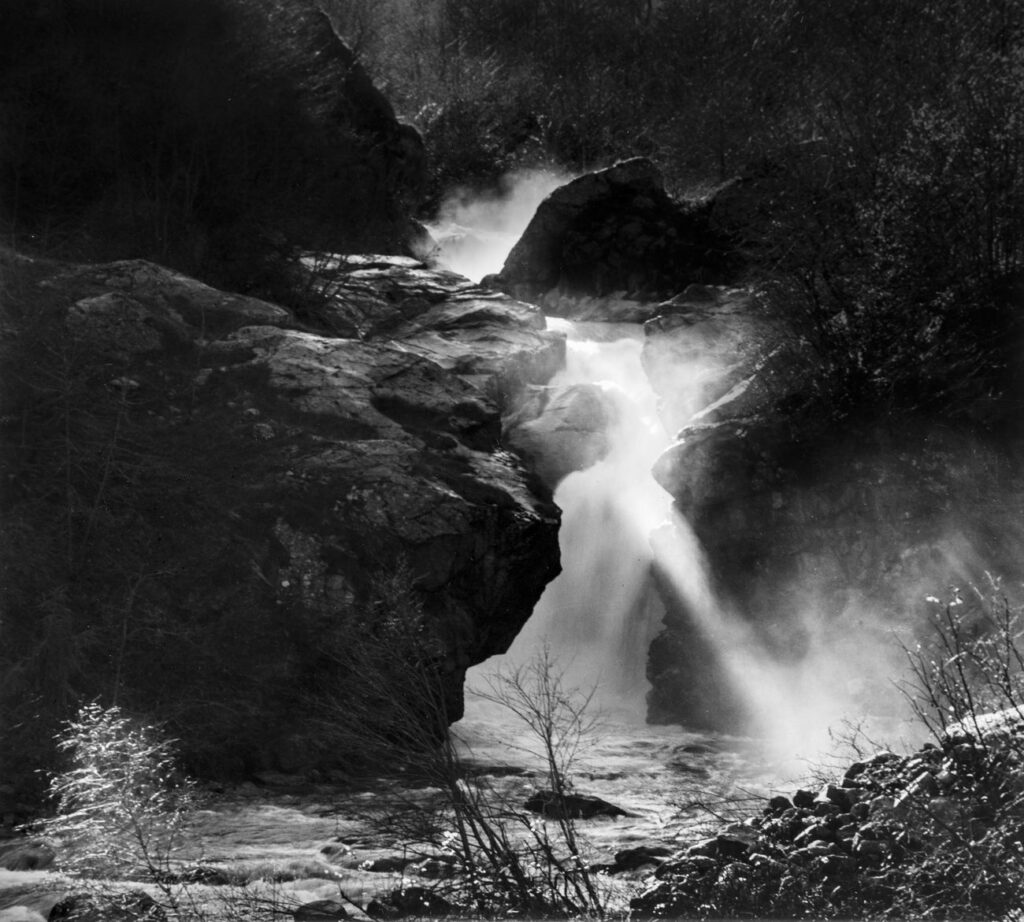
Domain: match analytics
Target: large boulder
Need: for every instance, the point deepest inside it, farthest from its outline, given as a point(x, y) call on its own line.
point(561, 429)
point(485, 337)
point(610, 244)
point(242, 484)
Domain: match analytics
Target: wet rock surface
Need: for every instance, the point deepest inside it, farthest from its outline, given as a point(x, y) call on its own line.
point(497, 343)
point(571, 806)
point(609, 244)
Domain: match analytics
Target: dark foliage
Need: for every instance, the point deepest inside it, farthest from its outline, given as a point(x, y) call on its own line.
point(205, 134)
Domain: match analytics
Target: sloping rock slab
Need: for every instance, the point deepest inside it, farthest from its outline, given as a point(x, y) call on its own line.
point(497, 343)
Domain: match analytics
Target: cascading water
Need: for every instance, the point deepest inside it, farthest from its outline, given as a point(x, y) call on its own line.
point(597, 619)
point(600, 615)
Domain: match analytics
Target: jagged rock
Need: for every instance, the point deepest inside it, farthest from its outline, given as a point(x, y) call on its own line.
point(488, 339)
point(571, 806)
point(409, 901)
point(561, 429)
point(284, 468)
point(609, 244)
point(843, 859)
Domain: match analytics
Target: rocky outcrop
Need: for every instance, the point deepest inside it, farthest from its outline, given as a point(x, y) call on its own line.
point(609, 244)
point(561, 429)
point(243, 483)
point(486, 338)
point(900, 835)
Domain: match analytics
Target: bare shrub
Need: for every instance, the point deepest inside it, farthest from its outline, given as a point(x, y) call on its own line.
point(392, 715)
point(121, 804)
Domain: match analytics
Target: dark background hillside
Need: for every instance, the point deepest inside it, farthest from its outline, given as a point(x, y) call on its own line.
point(210, 136)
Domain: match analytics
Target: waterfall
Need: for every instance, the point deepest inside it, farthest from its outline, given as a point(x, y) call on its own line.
point(598, 618)
point(600, 614)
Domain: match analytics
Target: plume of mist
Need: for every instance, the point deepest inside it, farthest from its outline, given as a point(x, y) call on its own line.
point(825, 685)
point(830, 672)
point(475, 231)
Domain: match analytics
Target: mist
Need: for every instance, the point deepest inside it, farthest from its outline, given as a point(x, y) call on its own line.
point(475, 232)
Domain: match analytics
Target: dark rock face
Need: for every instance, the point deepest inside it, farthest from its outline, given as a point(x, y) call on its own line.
point(609, 244)
point(263, 476)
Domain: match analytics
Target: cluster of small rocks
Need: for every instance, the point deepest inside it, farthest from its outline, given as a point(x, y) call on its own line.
point(880, 837)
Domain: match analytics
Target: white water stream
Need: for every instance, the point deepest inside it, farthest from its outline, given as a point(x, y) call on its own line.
point(599, 615)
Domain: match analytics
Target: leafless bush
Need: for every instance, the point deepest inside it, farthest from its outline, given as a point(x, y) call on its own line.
point(394, 714)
